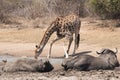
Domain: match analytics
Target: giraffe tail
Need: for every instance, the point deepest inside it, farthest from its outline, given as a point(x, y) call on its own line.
point(78, 40)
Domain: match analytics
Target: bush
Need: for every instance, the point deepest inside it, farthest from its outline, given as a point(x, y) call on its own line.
point(39, 8)
point(64, 7)
point(109, 9)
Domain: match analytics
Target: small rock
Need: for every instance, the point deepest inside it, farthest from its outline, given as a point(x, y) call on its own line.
point(62, 73)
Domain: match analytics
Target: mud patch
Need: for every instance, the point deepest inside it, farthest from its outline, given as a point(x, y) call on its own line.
point(59, 74)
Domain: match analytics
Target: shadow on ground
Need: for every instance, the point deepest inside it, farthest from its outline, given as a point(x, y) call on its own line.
point(76, 54)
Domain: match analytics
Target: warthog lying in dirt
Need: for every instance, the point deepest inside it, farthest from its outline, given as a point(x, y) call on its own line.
point(27, 65)
point(107, 59)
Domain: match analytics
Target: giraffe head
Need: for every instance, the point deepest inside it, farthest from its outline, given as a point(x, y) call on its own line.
point(38, 51)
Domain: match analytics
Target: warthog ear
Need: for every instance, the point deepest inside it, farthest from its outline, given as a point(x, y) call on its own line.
point(46, 62)
point(97, 52)
point(5, 61)
point(100, 52)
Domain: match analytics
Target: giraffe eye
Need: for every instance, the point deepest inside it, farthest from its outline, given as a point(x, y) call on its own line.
point(36, 46)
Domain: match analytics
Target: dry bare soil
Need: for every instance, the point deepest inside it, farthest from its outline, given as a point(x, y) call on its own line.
point(94, 36)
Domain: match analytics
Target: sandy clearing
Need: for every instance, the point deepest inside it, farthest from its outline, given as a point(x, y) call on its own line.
point(22, 42)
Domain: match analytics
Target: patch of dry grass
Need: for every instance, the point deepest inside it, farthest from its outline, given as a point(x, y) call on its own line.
point(23, 35)
point(91, 34)
point(102, 37)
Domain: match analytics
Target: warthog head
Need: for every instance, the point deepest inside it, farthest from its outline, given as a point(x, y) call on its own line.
point(45, 67)
point(110, 56)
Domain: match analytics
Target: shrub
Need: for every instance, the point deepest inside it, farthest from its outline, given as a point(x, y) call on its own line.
point(109, 9)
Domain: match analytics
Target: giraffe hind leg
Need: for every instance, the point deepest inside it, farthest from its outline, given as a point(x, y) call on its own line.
point(70, 42)
point(78, 40)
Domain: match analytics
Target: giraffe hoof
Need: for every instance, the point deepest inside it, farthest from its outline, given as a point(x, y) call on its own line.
point(35, 57)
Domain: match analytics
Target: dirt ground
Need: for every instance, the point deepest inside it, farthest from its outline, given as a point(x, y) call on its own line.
point(17, 43)
point(62, 75)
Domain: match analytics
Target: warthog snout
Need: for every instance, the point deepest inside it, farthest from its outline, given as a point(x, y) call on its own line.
point(117, 64)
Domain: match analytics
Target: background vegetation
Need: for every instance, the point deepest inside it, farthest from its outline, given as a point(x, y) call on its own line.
point(107, 9)
point(45, 9)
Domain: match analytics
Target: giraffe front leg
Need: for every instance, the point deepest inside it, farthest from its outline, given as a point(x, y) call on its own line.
point(75, 45)
point(49, 54)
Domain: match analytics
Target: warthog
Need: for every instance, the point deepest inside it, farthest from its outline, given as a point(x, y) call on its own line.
point(26, 64)
point(106, 60)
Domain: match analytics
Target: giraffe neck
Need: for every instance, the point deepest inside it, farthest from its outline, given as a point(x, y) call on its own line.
point(46, 36)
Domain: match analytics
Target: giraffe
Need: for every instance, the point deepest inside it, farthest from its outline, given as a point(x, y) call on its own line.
point(64, 27)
